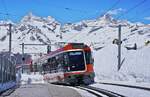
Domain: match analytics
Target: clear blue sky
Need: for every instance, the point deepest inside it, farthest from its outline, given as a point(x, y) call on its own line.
point(73, 10)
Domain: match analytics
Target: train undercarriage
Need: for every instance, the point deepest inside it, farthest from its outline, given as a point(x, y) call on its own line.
point(80, 79)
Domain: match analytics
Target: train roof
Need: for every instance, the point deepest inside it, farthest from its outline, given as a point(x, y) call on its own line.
point(69, 46)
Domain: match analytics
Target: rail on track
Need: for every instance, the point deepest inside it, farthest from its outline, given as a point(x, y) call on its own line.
point(129, 86)
point(102, 91)
point(8, 91)
point(98, 92)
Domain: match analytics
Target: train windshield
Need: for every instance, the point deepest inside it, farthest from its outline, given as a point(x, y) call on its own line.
point(75, 61)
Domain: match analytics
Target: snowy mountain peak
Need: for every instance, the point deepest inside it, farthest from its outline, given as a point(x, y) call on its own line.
point(28, 17)
point(107, 17)
point(32, 19)
point(50, 19)
point(30, 14)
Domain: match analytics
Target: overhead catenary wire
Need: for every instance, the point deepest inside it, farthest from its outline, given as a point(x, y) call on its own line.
point(111, 8)
point(10, 14)
point(128, 11)
point(77, 10)
point(131, 9)
point(142, 13)
point(5, 7)
point(6, 14)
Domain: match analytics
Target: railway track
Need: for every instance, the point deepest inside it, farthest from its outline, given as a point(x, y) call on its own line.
point(128, 86)
point(98, 92)
point(7, 92)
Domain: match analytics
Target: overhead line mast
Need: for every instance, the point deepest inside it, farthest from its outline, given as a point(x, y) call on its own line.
point(119, 47)
point(10, 35)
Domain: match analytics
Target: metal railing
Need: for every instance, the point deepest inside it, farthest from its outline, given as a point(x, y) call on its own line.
point(7, 68)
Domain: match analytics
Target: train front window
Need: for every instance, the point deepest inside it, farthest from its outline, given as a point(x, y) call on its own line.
point(76, 61)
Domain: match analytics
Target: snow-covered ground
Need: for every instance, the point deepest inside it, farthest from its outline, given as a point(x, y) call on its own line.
point(33, 78)
point(129, 83)
point(135, 67)
point(127, 92)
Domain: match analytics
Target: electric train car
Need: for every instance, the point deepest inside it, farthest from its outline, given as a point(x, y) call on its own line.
point(72, 64)
point(7, 74)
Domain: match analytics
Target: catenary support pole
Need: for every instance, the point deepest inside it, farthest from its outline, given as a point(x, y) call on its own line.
point(119, 47)
point(23, 57)
point(10, 40)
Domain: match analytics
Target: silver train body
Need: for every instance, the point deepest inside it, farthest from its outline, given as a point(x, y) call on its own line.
point(7, 73)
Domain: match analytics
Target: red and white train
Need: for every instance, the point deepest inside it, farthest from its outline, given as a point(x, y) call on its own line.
point(71, 64)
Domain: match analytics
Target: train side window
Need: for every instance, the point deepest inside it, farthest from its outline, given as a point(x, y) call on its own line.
point(49, 63)
point(88, 57)
point(53, 63)
point(57, 62)
point(65, 62)
point(5, 72)
point(35, 67)
point(60, 62)
point(1, 69)
point(0, 72)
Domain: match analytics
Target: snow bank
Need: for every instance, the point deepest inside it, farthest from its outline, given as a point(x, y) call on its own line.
point(32, 78)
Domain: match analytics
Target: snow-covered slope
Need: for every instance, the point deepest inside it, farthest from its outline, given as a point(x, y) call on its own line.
point(135, 67)
point(32, 30)
point(99, 34)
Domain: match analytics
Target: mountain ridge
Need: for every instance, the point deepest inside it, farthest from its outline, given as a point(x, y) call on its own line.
point(99, 34)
